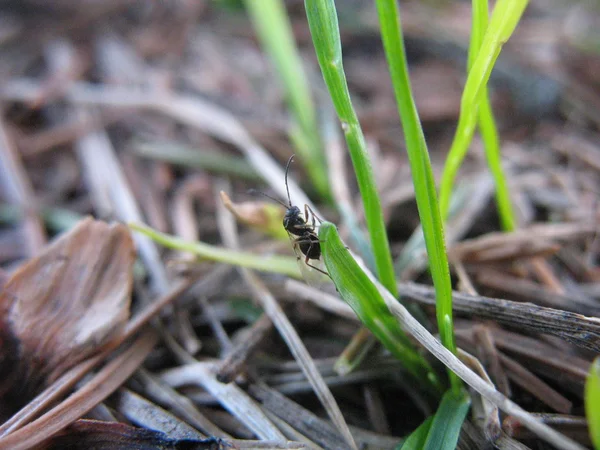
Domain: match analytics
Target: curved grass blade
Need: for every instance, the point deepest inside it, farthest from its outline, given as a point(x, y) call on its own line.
point(360, 293)
point(273, 263)
point(503, 22)
point(487, 123)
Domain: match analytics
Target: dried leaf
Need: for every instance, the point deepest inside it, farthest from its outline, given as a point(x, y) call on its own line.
point(62, 305)
point(262, 216)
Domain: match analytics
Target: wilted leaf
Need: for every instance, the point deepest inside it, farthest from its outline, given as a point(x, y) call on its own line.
point(62, 305)
point(262, 216)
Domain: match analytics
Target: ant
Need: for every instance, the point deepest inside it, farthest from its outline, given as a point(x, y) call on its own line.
point(302, 234)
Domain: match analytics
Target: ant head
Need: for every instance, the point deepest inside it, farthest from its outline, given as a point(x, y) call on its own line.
point(293, 211)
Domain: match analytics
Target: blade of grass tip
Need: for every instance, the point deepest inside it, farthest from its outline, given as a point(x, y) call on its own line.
point(323, 24)
point(487, 123)
point(423, 180)
point(447, 421)
point(363, 297)
point(416, 439)
point(503, 22)
point(283, 265)
point(592, 402)
point(275, 32)
point(441, 431)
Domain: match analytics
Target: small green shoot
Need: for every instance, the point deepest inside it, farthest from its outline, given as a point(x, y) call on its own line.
point(284, 265)
point(487, 123)
point(592, 402)
point(441, 431)
point(447, 421)
point(356, 288)
point(324, 29)
point(503, 22)
point(416, 439)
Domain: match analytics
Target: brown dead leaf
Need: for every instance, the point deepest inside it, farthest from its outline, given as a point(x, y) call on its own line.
point(62, 306)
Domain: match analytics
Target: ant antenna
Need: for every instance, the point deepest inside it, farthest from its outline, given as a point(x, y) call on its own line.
point(254, 191)
point(287, 187)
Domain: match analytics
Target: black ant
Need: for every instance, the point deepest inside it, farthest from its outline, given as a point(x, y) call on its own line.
point(302, 234)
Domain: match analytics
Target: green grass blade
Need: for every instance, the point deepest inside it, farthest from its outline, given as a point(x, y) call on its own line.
point(417, 438)
point(339, 185)
point(504, 19)
point(362, 296)
point(423, 180)
point(479, 20)
point(487, 124)
point(284, 265)
point(491, 143)
point(441, 431)
point(323, 24)
point(592, 402)
point(447, 421)
point(275, 32)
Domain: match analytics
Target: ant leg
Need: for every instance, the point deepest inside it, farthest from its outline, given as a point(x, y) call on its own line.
point(315, 267)
point(312, 216)
point(307, 259)
point(309, 209)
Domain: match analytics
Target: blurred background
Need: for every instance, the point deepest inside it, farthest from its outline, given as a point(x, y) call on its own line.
point(95, 74)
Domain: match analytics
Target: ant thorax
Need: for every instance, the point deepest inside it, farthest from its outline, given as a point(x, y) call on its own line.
point(293, 221)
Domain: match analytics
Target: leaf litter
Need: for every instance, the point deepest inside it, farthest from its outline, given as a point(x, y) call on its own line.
point(62, 306)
